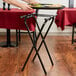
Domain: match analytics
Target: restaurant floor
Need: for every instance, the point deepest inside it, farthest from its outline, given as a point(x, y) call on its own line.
point(61, 50)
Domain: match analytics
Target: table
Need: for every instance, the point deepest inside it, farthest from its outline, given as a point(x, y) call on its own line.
point(10, 19)
point(37, 49)
point(66, 16)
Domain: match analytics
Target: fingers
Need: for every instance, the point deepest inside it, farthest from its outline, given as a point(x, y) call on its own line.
point(26, 7)
point(29, 7)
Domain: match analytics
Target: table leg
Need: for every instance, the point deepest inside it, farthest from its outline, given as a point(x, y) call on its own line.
point(19, 36)
point(17, 39)
point(8, 43)
point(73, 32)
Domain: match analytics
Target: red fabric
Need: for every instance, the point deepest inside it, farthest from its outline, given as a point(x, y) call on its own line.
point(66, 16)
point(10, 19)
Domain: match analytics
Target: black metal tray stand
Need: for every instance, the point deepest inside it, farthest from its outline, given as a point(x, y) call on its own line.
point(51, 20)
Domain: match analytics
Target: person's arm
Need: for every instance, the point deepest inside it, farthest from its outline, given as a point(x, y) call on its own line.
point(23, 6)
point(26, 1)
point(31, 1)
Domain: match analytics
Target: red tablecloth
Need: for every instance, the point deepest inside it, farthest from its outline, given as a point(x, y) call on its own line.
point(66, 16)
point(10, 19)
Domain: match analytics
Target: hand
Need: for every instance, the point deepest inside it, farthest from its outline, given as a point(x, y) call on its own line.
point(26, 7)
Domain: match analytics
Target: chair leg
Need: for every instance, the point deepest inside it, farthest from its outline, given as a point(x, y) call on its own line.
point(73, 33)
point(16, 37)
point(19, 36)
